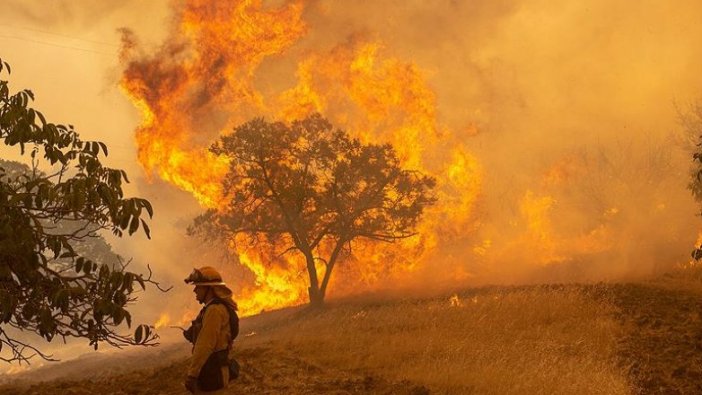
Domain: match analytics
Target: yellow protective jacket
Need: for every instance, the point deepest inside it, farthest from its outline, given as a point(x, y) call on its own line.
point(213, 336)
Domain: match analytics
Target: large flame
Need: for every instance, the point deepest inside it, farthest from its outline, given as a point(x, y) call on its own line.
point(203, 81)
point(226, 62)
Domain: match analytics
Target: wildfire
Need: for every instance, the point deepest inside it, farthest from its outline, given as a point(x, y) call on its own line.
point(273, 287)
point(203, 81)
point(224, 63)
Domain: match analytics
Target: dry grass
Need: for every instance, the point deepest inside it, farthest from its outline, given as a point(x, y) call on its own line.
point(687, 278)
point(529, 340)
point(514, 341)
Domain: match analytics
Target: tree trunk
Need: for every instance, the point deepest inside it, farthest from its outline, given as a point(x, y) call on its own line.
point(316, 297)
point(330, 267)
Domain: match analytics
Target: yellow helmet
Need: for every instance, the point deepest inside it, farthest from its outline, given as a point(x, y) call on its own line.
point(206, 275)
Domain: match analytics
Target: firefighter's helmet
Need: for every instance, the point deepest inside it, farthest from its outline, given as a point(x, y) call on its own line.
point(205, 275)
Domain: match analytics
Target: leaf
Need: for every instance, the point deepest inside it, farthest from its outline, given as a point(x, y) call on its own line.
point(88, 266)
point(124, 222)
point(79, 264)
point(127, 280)
point(134, 225)
point(31, 115)
point(103, 146)
point(105, 194)
point(54, 244)
point(116, 280)
point(140, 280)
point(124, 174)
point(41, 117)
point(61, 299)
point(147, 205)
point(120, 298)
point(139, 334)
point(146, 229)
point(118, 316)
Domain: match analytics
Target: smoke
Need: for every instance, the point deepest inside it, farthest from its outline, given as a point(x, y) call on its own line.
point(64, 12)
point(566, 111)
point(573, 104)
point(543, 82)
point(567, 107)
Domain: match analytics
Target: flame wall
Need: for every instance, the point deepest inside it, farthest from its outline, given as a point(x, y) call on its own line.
point(547, 125)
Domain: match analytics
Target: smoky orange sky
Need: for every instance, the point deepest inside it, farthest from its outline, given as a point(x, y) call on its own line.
point(570, 110)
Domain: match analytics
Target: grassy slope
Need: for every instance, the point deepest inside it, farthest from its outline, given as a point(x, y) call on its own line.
point(570, 339)
point(492, 341)
point(489, 341)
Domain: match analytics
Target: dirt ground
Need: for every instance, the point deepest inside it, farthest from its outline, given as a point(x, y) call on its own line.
point(661, 350)
point(263, 371)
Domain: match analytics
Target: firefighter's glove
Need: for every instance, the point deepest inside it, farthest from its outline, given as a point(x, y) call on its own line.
point(191, 384)
point(191, 333)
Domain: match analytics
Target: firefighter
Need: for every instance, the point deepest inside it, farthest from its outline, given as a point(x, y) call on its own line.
point(211, 333)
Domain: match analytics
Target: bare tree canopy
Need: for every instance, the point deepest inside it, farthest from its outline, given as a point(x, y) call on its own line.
point(49, 285)
point(310, 189)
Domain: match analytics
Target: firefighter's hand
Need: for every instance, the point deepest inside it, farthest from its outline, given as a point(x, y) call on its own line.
point(191, 384)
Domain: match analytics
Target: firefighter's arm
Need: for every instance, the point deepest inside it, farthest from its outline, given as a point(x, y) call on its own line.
point(213, 320)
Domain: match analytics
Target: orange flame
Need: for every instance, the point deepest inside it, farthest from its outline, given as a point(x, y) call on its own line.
point(273, 287)
point(162, 321)
point(202, 82)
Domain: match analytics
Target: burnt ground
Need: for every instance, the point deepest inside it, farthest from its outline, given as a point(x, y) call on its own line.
point(263, 371)
point(662, 346)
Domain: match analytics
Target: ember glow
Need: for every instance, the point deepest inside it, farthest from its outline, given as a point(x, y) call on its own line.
point(227, 62)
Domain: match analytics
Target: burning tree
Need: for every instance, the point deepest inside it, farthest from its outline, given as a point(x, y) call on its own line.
point(306, 188)
point(49, 283)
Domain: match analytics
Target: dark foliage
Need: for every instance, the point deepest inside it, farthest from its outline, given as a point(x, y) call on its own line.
point(49, 283)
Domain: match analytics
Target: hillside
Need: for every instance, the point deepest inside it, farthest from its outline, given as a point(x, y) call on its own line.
point(587, 339)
